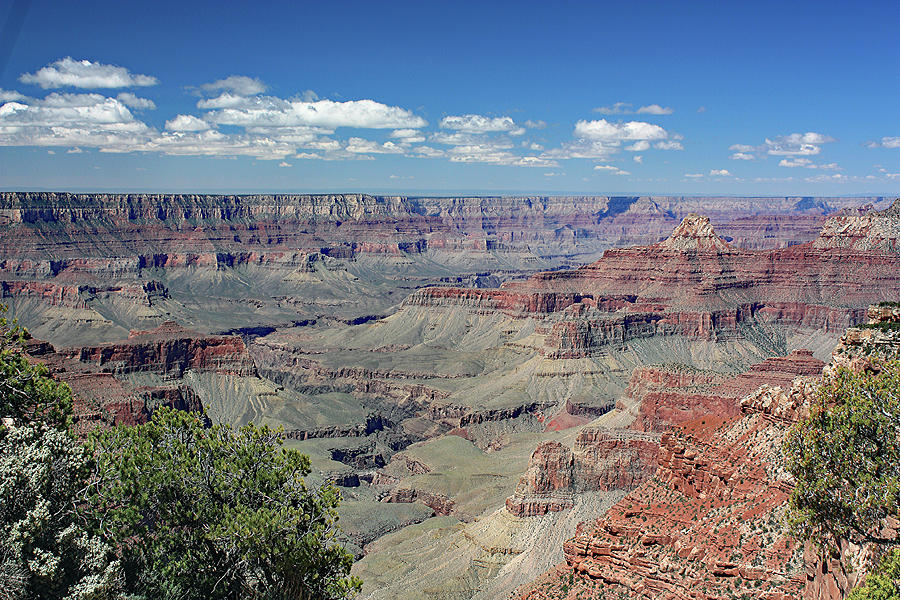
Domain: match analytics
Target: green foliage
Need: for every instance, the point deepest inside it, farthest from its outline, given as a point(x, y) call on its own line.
point(168, 510)
point(27, 393)
point(45, 550)
point(845, 458)
point(206, 513)
point(883, 583)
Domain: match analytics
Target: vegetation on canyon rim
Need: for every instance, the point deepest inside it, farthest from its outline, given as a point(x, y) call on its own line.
point(845, 458)
point(169, 509)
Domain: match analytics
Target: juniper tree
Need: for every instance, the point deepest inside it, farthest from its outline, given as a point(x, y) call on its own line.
point(214, 512)
point(845, 458)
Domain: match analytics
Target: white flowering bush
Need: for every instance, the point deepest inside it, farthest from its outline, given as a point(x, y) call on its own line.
point(45, 552)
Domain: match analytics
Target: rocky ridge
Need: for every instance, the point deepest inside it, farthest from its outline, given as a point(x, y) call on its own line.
point(696, 285)
point(709, 523)
point(103, 395)
point(304, 257)
point(706, 525)
point(601, 460)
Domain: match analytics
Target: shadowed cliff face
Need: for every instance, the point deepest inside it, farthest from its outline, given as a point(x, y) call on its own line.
point(103, 393)
point(697, 285)
point(72, 265)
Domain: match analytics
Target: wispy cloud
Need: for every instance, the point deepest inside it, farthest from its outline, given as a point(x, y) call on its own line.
point(11, 96)
point(627, 108)
point(611, 169)
point(799, 161)
point(794, 144)
point(481, 124)
point(132, 101)
point(237, 84)
point(885, 142)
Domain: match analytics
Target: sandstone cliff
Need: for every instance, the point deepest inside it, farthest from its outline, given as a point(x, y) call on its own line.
point(103, 396)
point(706, 525)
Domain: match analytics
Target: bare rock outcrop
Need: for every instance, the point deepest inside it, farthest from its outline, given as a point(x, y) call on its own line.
point(601, 460)
point(168, 350)
point(705, 526)
point(102, 397)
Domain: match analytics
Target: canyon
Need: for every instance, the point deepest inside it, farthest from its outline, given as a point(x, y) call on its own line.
point(529, 396)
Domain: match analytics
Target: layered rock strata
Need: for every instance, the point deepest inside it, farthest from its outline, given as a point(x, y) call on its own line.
point(670, 399)
point(601, 460)
point(707, 525)
point(103, 397)
point(696, 285)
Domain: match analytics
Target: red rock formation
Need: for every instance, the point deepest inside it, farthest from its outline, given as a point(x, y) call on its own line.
point(439, 503)
point(601, 460)
point(547, 484)
point(706, 526)
point(674, 399)
point(169, 350)
point(102, 399)
point(696, 285)
point(709, 524)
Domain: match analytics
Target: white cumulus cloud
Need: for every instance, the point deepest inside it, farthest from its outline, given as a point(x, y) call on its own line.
point(496, 155)
point(797, 144)
point(408, 136)
point(276, 112)
point(187, 123)
point(68, 72)
point(362, 146)
point(605, 131)
point(132, 101)
point(638, 146)
point(59, 119)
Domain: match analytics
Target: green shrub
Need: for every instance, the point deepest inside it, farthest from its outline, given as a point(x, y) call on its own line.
point(883, 583)
point(45, 549)
point(846, 458)
point(27, 392)
point(205, 513)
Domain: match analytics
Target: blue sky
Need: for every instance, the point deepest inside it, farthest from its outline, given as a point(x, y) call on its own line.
point(447, 97)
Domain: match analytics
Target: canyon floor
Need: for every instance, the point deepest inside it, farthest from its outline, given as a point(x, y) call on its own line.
point(541, 396)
